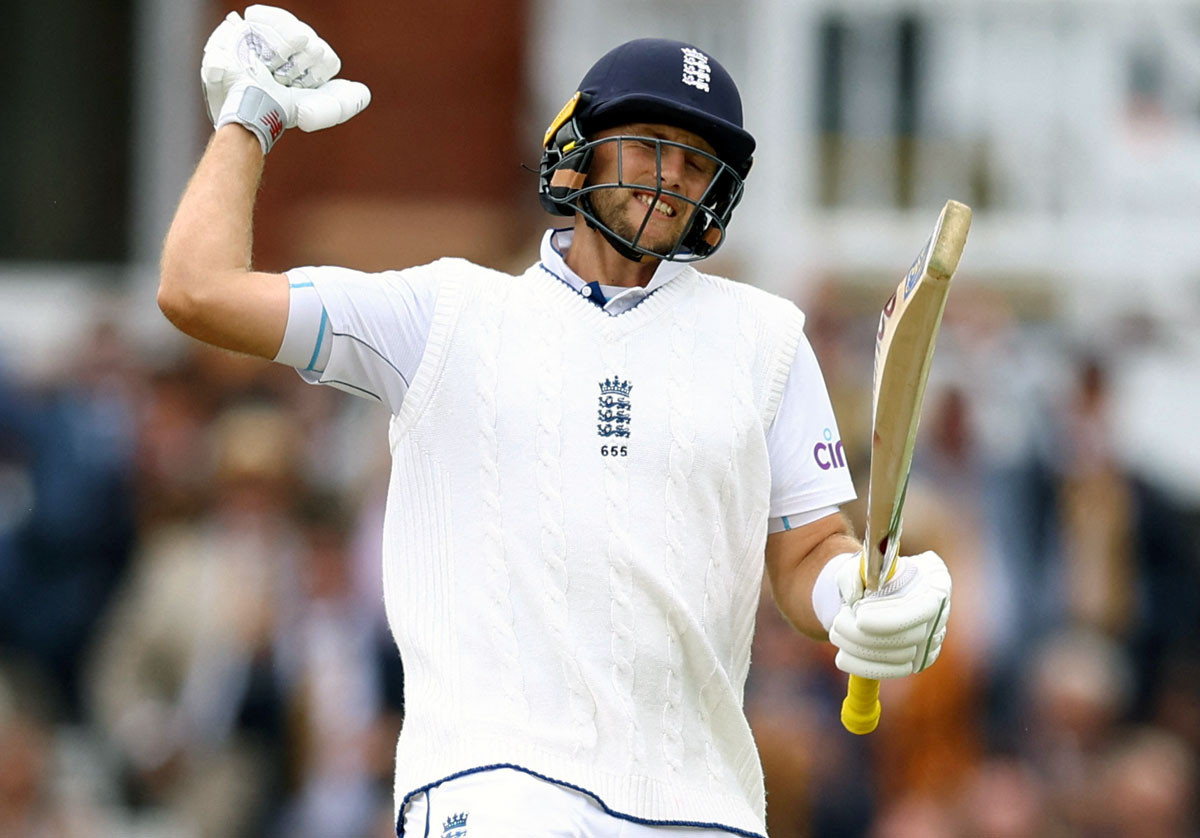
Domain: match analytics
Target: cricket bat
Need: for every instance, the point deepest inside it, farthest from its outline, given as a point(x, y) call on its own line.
point(908, 328)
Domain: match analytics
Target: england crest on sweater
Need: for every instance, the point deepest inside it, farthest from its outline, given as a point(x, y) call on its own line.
point(613, 414)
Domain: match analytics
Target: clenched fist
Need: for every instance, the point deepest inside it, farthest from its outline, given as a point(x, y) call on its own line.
point(269, 71)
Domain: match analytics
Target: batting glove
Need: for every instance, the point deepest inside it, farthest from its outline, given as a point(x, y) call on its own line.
point(269, 71)
point(889, 633)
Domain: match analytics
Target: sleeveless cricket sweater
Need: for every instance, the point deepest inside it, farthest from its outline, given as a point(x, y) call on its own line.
point(574, 536)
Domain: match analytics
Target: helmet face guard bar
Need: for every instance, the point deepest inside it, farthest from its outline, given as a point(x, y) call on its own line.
point(565, 186)
point(650, 81)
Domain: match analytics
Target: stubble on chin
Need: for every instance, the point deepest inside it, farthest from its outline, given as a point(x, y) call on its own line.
point(611, 206)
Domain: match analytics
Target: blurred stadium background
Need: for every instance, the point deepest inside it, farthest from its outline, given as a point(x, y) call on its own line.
point(191, 634)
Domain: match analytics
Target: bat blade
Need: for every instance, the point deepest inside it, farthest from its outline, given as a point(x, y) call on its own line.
point(904, 343)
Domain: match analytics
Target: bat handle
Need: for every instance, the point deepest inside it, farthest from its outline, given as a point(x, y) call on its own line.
point(860, 710)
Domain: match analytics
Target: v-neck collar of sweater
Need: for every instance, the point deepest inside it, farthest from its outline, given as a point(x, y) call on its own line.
point(612, 300)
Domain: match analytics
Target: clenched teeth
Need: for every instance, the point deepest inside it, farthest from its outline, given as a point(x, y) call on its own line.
point(660, 206)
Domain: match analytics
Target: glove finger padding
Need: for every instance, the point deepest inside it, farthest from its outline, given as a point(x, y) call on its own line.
point(220, 68)
point(318, 63)
point(898, 630)
point(281, 31)
point(847, 633)
point(272, 38)
point(309, 60)
point(330, 104)
point(297, 72)
point(237, 52)
point(325, 66)
point(261, 44)
point(313, 66)
point(895, 616)
point(871, 669)
point(869, 654)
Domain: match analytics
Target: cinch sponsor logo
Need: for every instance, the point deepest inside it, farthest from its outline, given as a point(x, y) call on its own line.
point(829, 454)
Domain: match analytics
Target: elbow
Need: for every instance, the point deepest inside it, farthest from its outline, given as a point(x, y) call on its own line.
point(178, 301)
point(172, 301)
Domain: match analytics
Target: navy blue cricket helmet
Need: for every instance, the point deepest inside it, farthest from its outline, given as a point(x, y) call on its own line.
point(650, 80)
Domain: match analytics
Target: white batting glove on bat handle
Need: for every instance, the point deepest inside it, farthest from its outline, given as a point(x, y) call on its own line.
point(269, 71)
point(895, 631)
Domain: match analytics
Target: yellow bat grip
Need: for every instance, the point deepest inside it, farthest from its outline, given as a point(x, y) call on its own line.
point(860, 710)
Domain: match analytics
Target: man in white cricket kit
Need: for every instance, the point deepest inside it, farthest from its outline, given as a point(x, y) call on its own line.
point(590, 460)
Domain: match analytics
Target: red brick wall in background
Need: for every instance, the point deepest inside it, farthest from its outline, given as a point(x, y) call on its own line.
point(433, 166)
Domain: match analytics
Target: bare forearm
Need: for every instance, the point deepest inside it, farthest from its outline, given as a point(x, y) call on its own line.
point(795, 560)
point(206, 286)
point(212, 233)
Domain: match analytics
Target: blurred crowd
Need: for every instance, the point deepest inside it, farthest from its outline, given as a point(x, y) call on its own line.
point(1067, 699)
point(192, 636)
point(193, 641)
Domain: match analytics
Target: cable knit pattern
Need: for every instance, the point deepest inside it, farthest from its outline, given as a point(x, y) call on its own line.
point(680, 459)
point(717, 587)
point(426, 520)
point(497, 581)
point(581, 707)
point(620, 572)
point(583, 616)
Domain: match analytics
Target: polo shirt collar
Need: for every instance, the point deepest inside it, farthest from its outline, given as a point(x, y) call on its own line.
point(555, 244)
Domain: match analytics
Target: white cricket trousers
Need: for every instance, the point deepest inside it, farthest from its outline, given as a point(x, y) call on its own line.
point(507, 803)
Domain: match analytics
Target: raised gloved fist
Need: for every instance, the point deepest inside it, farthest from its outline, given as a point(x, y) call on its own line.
point(268, 71)
point(892, 632)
